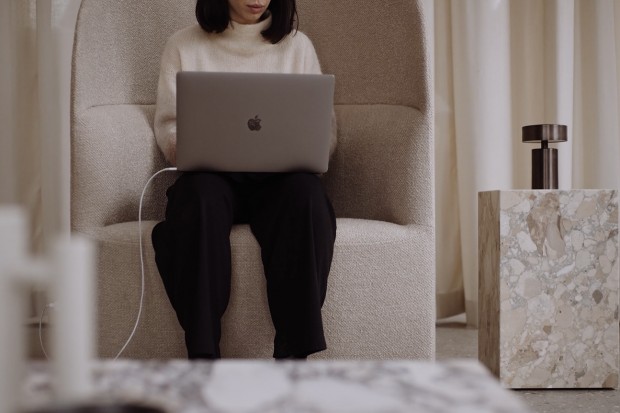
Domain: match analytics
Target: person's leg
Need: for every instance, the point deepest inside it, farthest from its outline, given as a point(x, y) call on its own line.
point(294, 223)
point(192, 249)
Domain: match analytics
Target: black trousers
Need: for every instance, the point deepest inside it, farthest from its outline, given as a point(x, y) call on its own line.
point(294, 223)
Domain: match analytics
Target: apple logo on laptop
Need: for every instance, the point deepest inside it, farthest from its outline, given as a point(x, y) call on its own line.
point(254, 124)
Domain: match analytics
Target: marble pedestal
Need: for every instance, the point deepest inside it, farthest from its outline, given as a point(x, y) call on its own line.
point(548, 287)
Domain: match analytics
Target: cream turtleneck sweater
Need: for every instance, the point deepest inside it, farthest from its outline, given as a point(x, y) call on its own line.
point(240, 48)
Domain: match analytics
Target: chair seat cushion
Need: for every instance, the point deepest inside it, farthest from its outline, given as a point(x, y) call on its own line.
point(374, 262)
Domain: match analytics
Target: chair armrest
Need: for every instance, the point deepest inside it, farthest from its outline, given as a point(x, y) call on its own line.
point(383, 165)
point(113, 154)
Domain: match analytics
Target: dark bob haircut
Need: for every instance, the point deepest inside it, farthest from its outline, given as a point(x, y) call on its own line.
point(214, 17)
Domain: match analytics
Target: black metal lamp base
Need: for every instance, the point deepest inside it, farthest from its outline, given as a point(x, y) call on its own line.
point(545, 168)
point(545, 159)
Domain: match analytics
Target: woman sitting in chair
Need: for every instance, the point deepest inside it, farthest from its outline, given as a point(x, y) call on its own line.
point(289, 213)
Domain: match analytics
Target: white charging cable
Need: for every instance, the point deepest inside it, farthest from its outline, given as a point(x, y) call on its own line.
point(135, 327)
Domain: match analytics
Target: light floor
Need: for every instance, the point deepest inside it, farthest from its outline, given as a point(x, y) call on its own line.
point(456, 340)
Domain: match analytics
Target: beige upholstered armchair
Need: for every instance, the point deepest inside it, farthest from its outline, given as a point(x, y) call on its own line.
point(381, 297)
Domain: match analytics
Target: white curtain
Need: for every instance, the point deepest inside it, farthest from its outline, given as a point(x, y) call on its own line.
point(501, 65)
point(19, 150)
point(35, 55)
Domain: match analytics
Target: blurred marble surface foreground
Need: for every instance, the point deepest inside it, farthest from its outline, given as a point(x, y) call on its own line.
point(234, 386)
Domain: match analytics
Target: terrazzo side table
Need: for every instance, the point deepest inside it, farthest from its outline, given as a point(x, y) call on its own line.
point(548, 287)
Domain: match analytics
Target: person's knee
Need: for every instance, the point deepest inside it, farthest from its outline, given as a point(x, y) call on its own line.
point(203, 182)
point(199, 193)
point(307, 201)
point(303, 189)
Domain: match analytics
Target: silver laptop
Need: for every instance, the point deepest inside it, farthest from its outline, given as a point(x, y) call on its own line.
point(251, 122)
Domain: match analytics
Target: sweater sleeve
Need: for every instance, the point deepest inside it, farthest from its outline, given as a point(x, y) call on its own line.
point(165, 112)
point(312, 66)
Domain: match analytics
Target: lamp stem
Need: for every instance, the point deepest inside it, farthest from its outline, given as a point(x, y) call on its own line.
point(545, 168)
